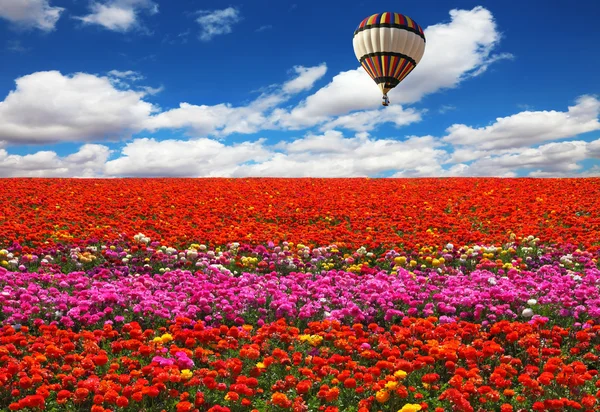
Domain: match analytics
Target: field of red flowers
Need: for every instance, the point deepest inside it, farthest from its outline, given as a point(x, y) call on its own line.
point(352, 212)
point(300, 295)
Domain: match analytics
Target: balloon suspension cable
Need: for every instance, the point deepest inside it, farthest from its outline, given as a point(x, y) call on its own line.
point(386, 101)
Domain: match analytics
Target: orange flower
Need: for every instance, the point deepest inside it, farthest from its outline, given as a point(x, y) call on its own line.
point(281, 400)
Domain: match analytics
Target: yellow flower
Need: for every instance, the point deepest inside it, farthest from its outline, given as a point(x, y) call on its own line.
point(410, 407)
point(400, 374)
point(186, 374)
point(382, 396)
point(391, 385)
point(261, 365)
point(400, 260)
point(166, 338)
point(315, 340)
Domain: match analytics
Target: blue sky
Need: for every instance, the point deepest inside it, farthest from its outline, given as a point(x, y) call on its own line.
point(112, 88)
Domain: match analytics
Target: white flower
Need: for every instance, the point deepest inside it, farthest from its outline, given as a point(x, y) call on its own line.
point(192, 254)
point(532, 302)
point(491, 281)
point(450, 246)
point(527, 313)
point(577, 277)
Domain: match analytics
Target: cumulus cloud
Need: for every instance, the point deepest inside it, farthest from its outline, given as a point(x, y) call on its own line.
point(88, 161)
point(455, 51)
point(305, 78)
point(327, 155)
point(49, 107)
point(331, 154)
point(528, 127)
point(118, 15)
point(367, 120)
point(37, 14)
point(552, 159)
point(217, 22)
point(224, 119)
point(198, 157)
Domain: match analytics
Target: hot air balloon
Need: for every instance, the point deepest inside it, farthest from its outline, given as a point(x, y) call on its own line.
point(388, 46)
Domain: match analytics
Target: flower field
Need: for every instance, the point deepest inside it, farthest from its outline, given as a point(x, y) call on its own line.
point(300, 295)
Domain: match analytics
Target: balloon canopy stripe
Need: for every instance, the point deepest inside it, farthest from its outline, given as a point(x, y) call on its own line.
point(400, 55)
point(388, 65)
point(393, 20)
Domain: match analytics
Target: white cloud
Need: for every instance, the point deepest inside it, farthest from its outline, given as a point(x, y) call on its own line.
point(455, 51)
point(89, 161)
point(305, 79)
point(333, 155)
point(367, 120)
point(264, 28)
point(118, 15)
point(552, 159)
point(330, 154)
point(37, 14)
point(127, 74)
point(446, 108)
point(594, 149)
point(123, 79)
point(50, 107)
point(199, 157)
point(217, 22)
point(224, 119)
point(527, 128)
point(327, 155)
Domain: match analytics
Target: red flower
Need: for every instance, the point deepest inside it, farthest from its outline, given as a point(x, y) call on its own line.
point(184, 406)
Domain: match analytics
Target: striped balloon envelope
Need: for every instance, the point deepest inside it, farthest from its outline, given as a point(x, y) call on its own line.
point(388, 46)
